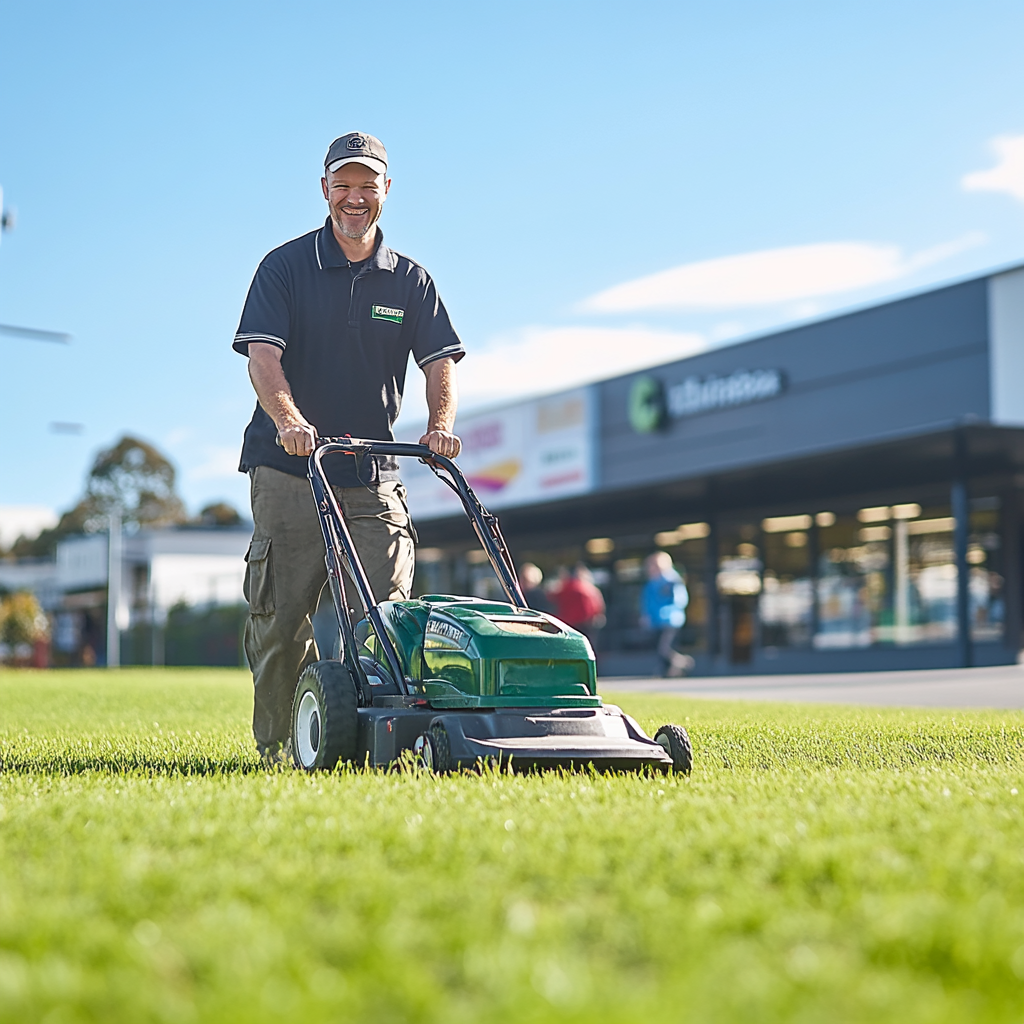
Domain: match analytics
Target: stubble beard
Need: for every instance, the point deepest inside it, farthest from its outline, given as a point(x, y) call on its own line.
point(355, 233)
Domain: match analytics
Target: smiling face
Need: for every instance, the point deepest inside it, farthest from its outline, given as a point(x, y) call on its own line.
point(355, 195)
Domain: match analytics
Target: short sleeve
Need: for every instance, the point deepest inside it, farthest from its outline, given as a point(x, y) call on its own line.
point(433, 334)
point(267, 311)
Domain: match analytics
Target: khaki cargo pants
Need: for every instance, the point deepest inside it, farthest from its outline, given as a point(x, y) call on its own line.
point(285, 573)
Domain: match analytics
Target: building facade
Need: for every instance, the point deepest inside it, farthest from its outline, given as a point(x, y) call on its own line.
point(161, 569)
point(842, 495)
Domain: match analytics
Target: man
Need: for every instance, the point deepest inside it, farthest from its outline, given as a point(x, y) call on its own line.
point(663, 609)
point(328, 326)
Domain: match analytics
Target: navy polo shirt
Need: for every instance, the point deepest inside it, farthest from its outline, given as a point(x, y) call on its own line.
point(345, 330)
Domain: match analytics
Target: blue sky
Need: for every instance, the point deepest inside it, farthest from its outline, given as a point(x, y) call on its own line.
point(566, 171)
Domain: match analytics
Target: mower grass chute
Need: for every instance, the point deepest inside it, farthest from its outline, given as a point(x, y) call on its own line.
point(460, 681)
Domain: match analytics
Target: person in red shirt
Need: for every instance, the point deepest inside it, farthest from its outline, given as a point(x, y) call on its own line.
point(578, 602)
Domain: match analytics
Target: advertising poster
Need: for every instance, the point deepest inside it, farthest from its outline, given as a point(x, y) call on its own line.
point(519, 454)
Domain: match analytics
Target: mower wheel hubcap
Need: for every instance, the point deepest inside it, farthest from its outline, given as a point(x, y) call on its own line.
point(308, 729)
point(424, 752)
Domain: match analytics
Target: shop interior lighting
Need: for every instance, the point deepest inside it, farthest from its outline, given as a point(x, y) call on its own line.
point(909, 511)
point(932, 525)
point(693, 531)
point(476, 557)
point(796, 540)
point(688, 531)
point(976, 555)
point(429, 555)
point(874, 533)
point(875, 514)
point(784, 524)
point(825, 519)
point(600, 545)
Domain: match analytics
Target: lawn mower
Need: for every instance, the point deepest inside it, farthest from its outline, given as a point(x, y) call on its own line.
point(459, 681)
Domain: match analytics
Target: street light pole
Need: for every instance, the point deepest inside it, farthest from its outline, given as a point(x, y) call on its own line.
point(114, 589)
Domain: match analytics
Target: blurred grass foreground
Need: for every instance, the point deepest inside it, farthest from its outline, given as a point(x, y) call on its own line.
point(819, 864)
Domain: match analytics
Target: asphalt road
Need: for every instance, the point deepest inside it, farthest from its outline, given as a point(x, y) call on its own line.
point(999, 687)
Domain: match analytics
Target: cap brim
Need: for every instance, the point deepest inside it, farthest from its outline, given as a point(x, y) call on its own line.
point(375, 165)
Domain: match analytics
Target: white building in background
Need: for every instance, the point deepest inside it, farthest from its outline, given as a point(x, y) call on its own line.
point(198, 567)
point(202, 567)
point(159, 569)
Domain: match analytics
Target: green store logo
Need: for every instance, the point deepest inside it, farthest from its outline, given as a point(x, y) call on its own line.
point(648, 411)
point(387, 313)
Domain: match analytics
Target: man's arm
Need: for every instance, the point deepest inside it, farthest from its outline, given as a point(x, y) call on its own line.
point(442, 400)
point(275, 394)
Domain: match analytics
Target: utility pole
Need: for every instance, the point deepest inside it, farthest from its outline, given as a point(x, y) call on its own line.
point(114, 589)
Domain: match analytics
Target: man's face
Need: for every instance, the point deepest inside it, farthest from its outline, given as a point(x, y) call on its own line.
point(355, 195)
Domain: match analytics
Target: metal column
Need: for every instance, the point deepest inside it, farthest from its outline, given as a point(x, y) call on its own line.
point(961, 530)
point(114, 589)
point(714, 615)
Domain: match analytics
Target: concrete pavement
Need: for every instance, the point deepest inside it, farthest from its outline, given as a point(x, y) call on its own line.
point(1001, 686)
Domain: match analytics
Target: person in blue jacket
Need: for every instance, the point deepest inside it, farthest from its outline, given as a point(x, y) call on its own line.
point(663, 609)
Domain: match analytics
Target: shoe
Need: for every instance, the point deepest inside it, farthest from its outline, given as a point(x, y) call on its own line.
point(682, 664)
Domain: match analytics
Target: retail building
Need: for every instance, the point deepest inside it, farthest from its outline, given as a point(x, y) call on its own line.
point(842, 495)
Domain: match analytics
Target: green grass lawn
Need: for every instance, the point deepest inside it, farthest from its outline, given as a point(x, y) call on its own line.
point(821, 864)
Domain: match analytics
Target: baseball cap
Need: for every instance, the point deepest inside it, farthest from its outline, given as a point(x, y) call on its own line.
point(357, 148)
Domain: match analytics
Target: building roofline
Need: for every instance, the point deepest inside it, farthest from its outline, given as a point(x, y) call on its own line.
point(861, 307)
point(795, 325)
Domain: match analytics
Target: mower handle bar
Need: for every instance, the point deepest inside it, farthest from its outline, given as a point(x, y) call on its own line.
point(336, 533)
point(484, 523)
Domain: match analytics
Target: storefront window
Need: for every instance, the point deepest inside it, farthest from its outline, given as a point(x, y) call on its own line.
point(739, 586)
point(786, 606)
point(853, 570)
point(888, 575)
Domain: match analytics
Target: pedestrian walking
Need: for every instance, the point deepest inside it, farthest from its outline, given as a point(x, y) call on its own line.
point(531, 581)
point(328, 326)
point(579, 603)
point(663, 604)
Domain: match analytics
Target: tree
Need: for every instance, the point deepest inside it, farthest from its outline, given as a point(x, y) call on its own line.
point(136, 478)
point(22, 621)
point(133, 476)
point(220, 513)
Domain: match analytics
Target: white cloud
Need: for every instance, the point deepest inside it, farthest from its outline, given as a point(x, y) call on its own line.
point(539, 359)
point(1007, 175)
point(792, 274)
point(24, 521)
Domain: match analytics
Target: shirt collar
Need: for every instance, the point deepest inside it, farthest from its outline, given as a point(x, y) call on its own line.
point(329, 254)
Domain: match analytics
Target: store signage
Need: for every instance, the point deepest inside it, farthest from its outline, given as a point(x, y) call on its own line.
point(652, 405)
point(524, 453)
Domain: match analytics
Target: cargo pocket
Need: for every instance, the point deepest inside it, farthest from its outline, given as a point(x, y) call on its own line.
point(403, 496)
point(258, 586)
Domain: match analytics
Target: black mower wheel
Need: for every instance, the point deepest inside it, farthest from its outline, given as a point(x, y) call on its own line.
point(677, 745)
point(433, 750)
point(325, 717)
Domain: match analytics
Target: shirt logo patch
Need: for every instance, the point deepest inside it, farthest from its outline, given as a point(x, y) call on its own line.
point(387, 313)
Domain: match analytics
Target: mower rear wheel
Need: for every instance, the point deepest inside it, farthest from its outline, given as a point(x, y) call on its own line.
point(325, 717)
point(677, 745)
point(432, 749)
